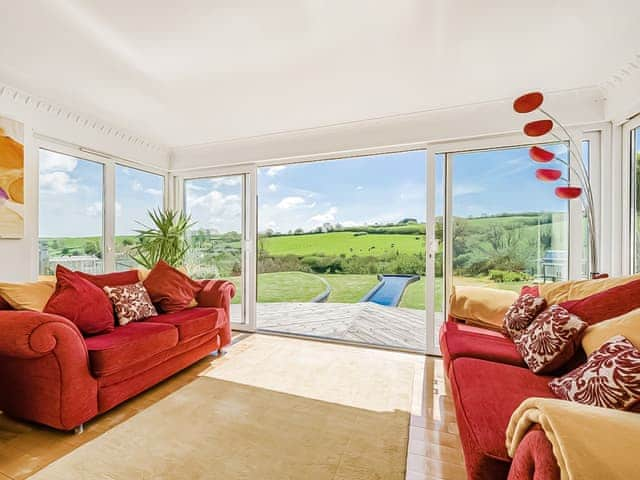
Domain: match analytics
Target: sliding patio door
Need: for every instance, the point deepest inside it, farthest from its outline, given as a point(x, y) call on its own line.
point(217, 238)
point(342, 250)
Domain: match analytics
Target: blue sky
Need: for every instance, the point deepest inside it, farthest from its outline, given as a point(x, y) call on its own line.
point(71, 192)
point(363, 190)
point(387, 188)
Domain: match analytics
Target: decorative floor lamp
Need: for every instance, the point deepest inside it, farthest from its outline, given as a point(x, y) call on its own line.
point(531, 102)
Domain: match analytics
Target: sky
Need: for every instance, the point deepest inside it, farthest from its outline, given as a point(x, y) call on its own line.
point(356, 191)
point(71, 196)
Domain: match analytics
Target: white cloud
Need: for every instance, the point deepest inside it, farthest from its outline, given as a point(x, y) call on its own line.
point(273, 187)
point(359, 187)
point(154, 191)
point(327, 217)
point(226, 181)
point(216, 211)
point(58, 183)
point(136, 186)
point(94, 210)
point(118, 209)
point(194, 187)
point(466, 189)
point(56, 162)
point(290, 202)
point(273, 171)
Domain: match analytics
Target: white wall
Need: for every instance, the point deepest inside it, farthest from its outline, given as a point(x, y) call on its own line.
point(19, 258)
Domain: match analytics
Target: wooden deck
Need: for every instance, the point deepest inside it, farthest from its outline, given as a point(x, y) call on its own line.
point(366, 322)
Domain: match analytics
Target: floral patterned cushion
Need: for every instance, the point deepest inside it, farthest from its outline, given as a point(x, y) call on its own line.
point(523, 311)
point(131, 302)
point(610, 378)
point(550, 340)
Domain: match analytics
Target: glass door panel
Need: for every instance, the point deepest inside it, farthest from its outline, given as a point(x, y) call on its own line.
point(342, 249)
point(216, 206)
point(509, 229)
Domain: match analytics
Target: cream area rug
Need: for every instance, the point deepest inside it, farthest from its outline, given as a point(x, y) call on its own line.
point(272, 408)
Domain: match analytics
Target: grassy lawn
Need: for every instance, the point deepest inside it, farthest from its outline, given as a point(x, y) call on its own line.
point(337, 243)
point(349, 288)
point(302, 287)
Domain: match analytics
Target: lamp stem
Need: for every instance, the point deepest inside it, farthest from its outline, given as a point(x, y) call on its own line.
point(583, 177)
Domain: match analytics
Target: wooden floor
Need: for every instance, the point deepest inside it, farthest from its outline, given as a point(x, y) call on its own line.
point(362, 322)
point(434, 449)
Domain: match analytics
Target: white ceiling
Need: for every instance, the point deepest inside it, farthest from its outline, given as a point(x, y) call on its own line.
point(195, 71)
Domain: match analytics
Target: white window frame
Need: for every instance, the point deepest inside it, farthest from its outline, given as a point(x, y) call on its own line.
point(596, 133)
point(108, 163)
point(249, 277)
point(629, 195)
point(500, 142)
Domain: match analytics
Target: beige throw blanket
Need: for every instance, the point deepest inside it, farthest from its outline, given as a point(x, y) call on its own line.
point(589, 443)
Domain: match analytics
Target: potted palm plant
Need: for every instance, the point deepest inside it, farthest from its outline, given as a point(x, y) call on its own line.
point(164, 240)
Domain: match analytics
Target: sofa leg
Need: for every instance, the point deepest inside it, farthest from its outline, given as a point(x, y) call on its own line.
point(79, 429)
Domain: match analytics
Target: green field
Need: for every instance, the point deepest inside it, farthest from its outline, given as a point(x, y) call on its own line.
point(343, 243)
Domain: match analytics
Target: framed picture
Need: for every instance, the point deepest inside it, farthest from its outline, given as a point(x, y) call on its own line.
point(11, 178)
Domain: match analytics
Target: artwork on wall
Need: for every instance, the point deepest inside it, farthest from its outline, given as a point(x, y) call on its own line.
point(11, 178)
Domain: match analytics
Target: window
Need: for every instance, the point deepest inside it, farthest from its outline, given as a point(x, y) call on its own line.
point(635, 154)
point(71, 215)
point(137, 192)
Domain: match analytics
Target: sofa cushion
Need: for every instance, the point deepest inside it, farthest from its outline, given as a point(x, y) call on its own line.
point(627, 325)
point(170, 289)
point(551, 340)
point(485, 395)
point(82, 302)
point(129, 344)
point(131, 302)
point(459, 340)
point(523, 311)
point(113, 279)
point(27, 296)
point(611, 303)
point(481, 306)
point(194, 321)
point(610, 378)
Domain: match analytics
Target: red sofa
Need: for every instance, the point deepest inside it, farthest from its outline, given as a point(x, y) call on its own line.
point(489, 380)
point(51, 374)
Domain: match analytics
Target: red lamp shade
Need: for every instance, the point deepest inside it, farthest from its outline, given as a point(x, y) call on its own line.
point(548, 174)
point(541, 155)
point(568, 193)
point(538, 128)
point(528, 102)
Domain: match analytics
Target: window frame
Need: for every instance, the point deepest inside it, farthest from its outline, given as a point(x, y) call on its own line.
point(108, 163)
point(249, 257)
point(629, 194)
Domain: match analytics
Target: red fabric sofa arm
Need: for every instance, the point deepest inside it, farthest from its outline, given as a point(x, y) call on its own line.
point(534, 458)
point(44, 370)
point(26, 334)
point(218, 293)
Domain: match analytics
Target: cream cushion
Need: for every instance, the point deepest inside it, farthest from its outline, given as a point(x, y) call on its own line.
point(627, 325)
point(558, 292)
point(28, 296)
point(480, 305)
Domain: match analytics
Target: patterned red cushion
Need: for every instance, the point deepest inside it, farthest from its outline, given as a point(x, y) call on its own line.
point(523, 311)
point(610, 378)
point(131, 302)
point(550, 340)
